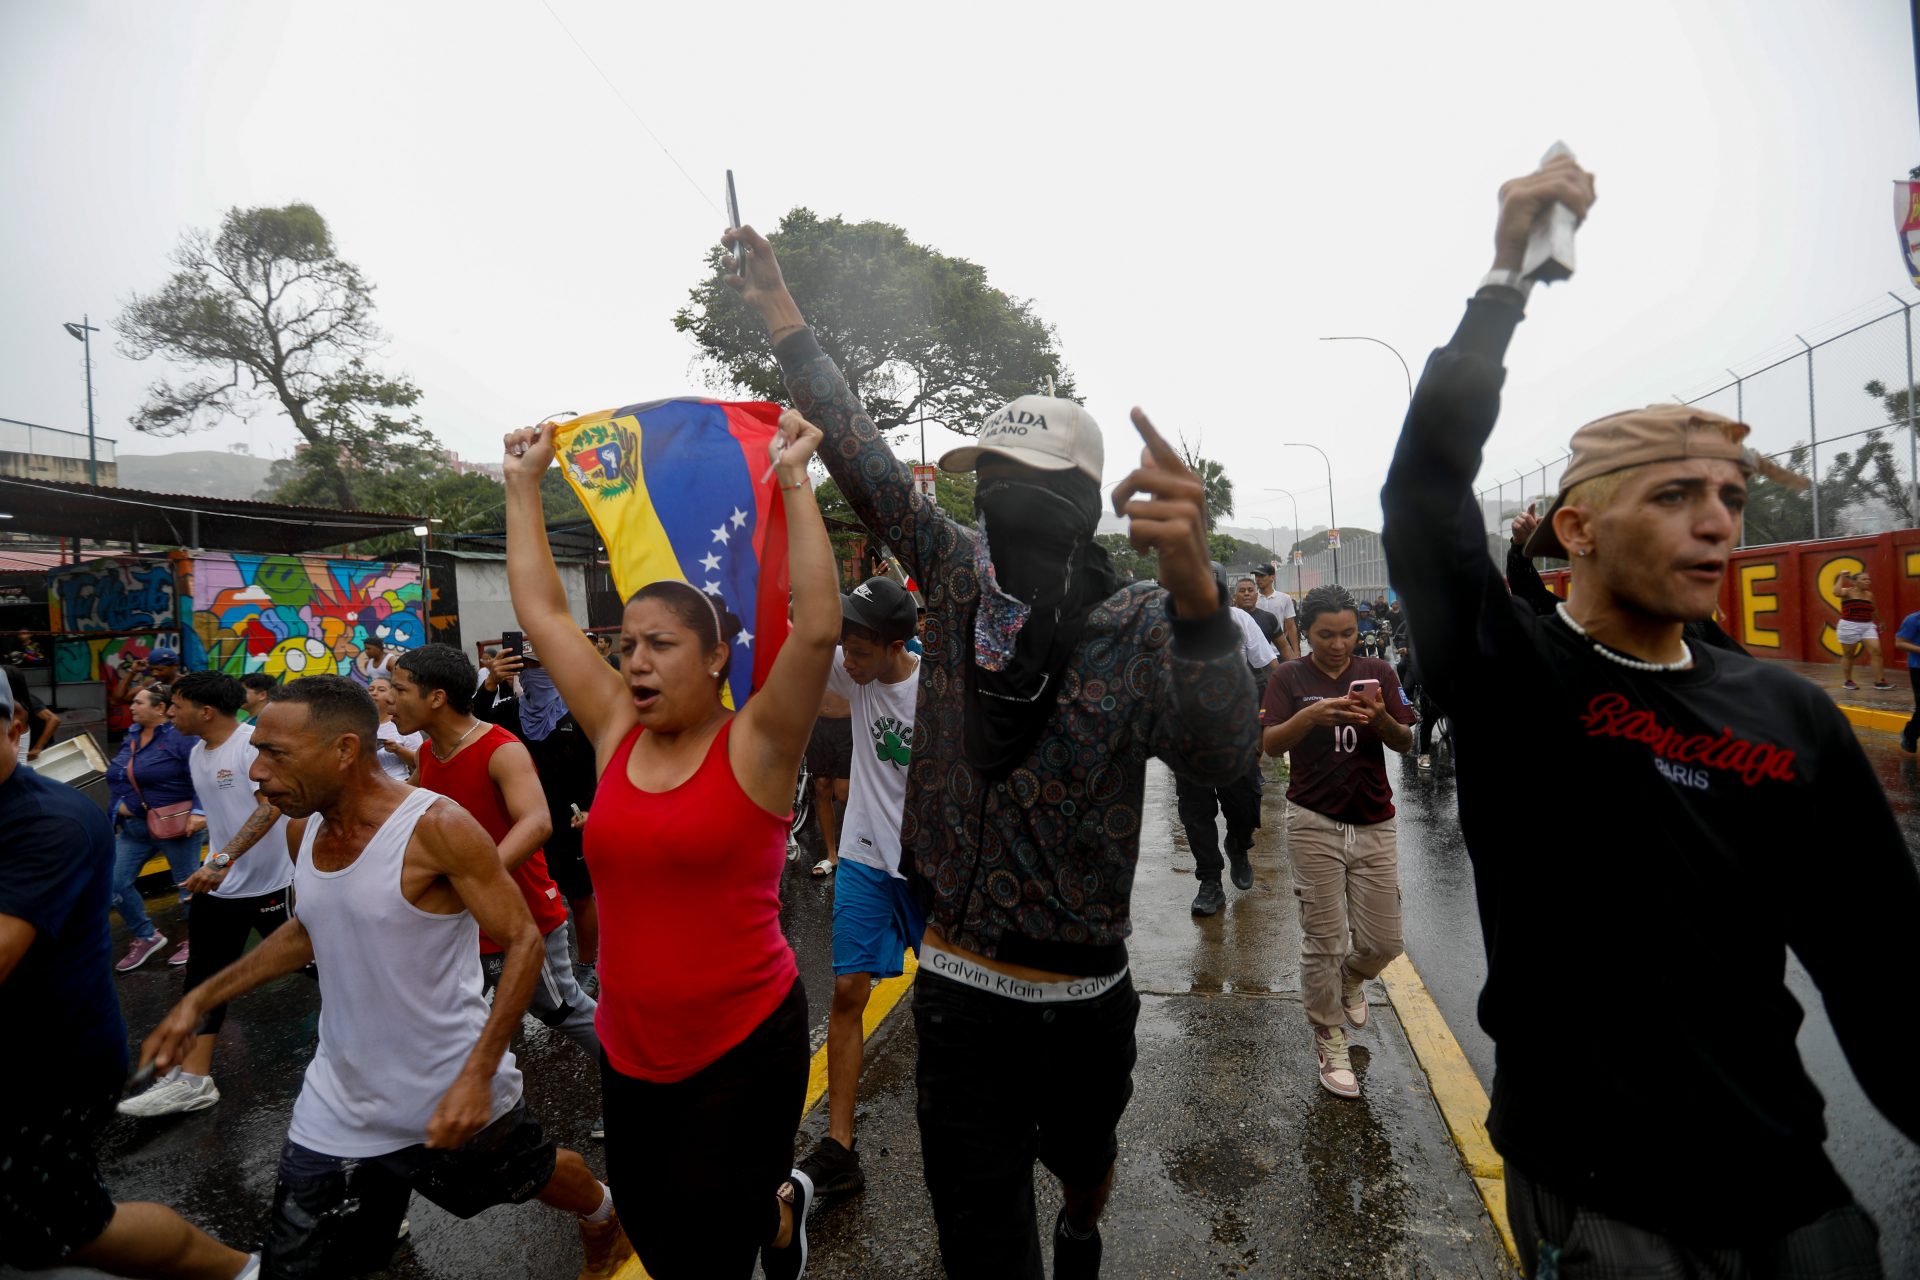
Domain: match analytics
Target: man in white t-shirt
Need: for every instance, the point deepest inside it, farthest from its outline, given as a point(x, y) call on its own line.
point(1280, 605)
point(241, 889)
point(875, 917)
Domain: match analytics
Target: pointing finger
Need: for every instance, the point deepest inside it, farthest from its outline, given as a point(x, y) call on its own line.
point(1159, 452)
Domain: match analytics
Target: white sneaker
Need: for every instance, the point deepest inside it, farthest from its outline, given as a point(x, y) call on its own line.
point(172, 1096)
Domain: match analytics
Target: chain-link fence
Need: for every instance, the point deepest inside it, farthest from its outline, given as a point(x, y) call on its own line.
point(1837, 403)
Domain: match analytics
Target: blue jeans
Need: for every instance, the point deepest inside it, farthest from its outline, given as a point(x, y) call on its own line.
point(132, 846)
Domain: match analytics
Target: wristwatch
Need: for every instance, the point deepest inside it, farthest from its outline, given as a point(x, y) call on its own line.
point(220, 861)
point(1507, 278)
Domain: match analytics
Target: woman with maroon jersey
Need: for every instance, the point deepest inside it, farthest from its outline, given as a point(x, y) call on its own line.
point(1336, 713)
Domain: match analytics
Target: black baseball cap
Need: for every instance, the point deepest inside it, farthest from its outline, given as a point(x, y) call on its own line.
point(883, 607)
point(1264, 571)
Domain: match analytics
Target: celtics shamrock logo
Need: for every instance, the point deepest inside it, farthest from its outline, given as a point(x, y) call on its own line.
point(893, 741)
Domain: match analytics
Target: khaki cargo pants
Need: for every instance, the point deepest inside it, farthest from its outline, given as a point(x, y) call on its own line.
point(1347, 880)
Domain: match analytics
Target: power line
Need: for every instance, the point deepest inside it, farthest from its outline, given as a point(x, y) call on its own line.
point(629, 106)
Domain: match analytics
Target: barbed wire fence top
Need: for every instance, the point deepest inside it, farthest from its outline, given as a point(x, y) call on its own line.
point(1834, 403)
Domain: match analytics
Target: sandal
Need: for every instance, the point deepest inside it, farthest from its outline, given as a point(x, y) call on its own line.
point(823, 868)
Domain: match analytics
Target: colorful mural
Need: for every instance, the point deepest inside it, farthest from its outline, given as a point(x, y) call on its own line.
point(286, 615)
point(295, 616)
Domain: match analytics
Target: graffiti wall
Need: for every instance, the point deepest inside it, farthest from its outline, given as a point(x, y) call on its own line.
point(128, 606)
point(1782, 602)
point(131, 593)
point(295, 616)
point(285, 615)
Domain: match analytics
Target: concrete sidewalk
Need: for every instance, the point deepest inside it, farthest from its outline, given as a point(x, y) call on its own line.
point(1866, 707)
point(1233, 1159)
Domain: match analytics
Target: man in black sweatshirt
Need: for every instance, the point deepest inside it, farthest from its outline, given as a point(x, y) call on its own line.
point(1648, 1097)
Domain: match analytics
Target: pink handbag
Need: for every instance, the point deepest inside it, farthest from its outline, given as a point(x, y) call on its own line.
point(169, 821)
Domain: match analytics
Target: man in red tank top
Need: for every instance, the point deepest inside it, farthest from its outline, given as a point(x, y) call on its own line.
point(488, 772)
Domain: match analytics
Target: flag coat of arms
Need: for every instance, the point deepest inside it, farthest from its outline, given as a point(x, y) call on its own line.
point(674, 488)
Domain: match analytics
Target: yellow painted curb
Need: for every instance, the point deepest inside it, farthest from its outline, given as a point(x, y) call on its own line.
point(1872, 718)
point(886, 994)
point(1463, 1103)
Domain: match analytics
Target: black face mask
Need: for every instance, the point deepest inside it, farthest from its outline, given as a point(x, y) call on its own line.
point(1039, 535)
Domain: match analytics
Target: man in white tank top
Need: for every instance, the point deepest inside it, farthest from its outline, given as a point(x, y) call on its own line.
point(413, 1088)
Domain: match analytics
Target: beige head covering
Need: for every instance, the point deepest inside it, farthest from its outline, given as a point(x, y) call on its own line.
point(1657, 433)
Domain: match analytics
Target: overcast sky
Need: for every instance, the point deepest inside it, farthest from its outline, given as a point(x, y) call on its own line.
point(1191, 193)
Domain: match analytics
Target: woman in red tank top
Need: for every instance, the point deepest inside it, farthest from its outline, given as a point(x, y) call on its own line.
point(702, 1018)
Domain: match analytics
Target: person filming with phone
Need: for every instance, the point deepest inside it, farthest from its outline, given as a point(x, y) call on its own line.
point(1335, 713)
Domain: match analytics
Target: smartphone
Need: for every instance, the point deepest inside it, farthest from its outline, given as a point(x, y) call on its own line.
point(513, 642)
point(733, 214)
point(1363, 689)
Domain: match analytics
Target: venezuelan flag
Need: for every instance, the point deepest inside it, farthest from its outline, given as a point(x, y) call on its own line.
point(674, 488)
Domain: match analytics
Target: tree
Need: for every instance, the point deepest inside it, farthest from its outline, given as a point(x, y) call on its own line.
point(1316, 542)
point(1213, 476)
point(1131, 564)
point(270, 295)
point(911, 329)
point(1229, 550)
point(952, 492)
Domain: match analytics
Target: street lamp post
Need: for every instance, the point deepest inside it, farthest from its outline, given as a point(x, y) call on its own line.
point(1298, 589)
point(1272, 534)
point(82, 332)
point(1332, 520)
point(426, 587)
point(1361, 337)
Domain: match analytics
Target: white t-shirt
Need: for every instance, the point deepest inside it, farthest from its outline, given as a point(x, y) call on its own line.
point(1279, 604)
point(226, 796)
point(396, 767)
point(882, 749)
point(1254, 646)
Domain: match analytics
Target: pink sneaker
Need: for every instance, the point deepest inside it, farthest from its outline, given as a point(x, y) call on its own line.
point(1336, 1068)
point(139, 952)
point(179, 957)
point(1353, 1000)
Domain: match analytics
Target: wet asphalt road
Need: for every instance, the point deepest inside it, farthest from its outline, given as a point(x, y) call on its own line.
point(1233, 1161)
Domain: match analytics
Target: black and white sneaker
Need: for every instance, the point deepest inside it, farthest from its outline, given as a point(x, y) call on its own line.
point(834, 1169)
point(790, 1263)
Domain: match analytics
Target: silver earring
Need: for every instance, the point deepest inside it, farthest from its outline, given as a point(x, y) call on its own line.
point(1583, 552)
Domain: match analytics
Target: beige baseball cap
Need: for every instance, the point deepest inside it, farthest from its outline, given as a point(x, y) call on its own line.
point(1044, 432)
point(1657, 433)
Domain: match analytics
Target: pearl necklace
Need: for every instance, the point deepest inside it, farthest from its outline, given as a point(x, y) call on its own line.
point(1620, 658)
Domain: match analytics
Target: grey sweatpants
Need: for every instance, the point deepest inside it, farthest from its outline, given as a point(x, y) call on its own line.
point(557, 1000)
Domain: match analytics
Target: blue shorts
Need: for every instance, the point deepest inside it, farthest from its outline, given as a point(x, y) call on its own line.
point(875, 920)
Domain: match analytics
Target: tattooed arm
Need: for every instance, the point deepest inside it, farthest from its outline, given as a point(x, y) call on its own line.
point(258, 823)
point(878, 485)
